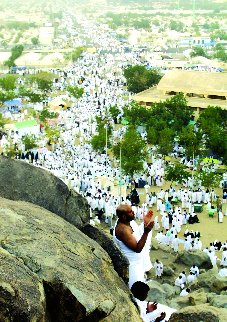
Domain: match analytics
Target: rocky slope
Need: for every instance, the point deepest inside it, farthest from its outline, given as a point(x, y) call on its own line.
point(51, 271)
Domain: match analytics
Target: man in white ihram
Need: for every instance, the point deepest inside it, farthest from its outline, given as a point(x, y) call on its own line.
point(128, 237)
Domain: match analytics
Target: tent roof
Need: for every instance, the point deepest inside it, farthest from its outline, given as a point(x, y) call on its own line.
point(56, 102)
point(153, 95)
point(14, 102)
point(208, 83)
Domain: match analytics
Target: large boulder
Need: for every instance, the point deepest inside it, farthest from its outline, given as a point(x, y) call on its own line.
point(196, 257)
point(156, 293)
point(197, 297)
point(199, 313)
point(218, 300)
point(212, 281)
point(120, 261)
point(22, 181)
point(51, 271)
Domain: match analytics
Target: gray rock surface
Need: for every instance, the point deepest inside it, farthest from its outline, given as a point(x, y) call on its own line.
point(199, 313)
point(120, 262)
point(51, 271)
point(218, 300)
point(169, 290)
point(197, 297)
point(22, 181)
point(212, 281)
point(156, 292)
point(199, 258)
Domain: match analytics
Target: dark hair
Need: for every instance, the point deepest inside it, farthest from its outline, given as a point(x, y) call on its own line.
point(140, 290)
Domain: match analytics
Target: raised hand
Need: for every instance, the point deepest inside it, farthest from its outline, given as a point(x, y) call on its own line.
point(151, 306)
point(147, 219)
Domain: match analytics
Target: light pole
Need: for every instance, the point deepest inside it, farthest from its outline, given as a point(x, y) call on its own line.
point(106, 138)
point(120, 168)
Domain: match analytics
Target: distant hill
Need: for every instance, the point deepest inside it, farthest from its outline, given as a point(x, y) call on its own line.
point(171, 4)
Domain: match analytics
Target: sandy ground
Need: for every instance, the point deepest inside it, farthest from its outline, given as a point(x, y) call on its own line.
point(209, 228)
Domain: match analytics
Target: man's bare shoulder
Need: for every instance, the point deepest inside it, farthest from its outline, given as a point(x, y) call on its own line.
point(122, 230)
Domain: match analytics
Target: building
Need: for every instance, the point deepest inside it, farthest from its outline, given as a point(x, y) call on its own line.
point(201, 89)
point(46, 34)
point(191, 41)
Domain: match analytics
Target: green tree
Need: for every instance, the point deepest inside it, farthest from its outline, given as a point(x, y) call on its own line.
point(165, 142)
point(176, 172)
point(192, 141)
point(2, 121)
point(198, 51)
point(5, 96)
point(52, 134)
point(152, 135)
point(220, 54)
point(16, 52)
point(176, 25)
point(136, 114)
point(133, 152)
point(34, 41)
point(213, 123)
point(212, 115)
point(47, 114)
point(140, 78)
point(98, 141)
point(11, 149)
point(217, 142)
point(35, 97)
point(75, 91)
point(8, 82)
point(44, 80)
point(114, 111)
point(29, 141)
point(76, 53)
point(208, 178)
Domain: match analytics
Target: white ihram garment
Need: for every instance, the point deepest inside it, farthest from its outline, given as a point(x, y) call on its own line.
point(136, 267)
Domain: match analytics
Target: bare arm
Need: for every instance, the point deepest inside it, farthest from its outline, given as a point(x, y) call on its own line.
point(124, 233)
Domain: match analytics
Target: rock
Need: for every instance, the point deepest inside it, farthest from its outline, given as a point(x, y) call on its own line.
point(199, 313)
point(168, 271)
point(197, 297)
point(22, 295)
point(212, 281)
point(41, 188)
point(156, 293)
point(119, 260)
point(178, 302)
point(169, 290)
point(51, 271)
point(199, 258)
point(218, 300)
point(154, 244)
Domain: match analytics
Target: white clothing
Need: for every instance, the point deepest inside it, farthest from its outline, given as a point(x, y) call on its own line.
point(136, 269)
point(223, 272)
point(184, 292)
point(158, 268)
point(151, 316)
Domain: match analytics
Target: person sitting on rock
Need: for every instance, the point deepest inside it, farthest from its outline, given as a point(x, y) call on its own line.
point(191, 277)
point(149, 311)
point(185, 291)
point(195, 270)
point(179, 282)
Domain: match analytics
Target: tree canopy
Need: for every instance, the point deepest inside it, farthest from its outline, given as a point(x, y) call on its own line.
point(133, 152)
point(140, 78)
